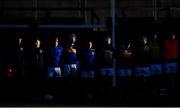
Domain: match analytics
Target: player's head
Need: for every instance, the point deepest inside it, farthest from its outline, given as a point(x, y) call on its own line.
point(19, 40)
point(56, 41)
point(108, 40)
point(173, 36)
point(128, 44)
point(37, 43)
point(72, 38)
point(155, 36)
point(89, 44)
point(144, 39)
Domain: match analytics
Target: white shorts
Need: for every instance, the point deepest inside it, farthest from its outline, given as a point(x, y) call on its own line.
point(70, 69)
point(107, 72)
point(170, 67)
point(124, 72)
point(142, 71)
point(87, 74)
point(156, 69)
point(54, 72)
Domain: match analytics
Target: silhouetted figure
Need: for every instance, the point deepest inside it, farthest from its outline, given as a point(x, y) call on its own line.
point(105, 58)
point(125, 60)
point(142, 71)
point(37, 60)
point(170, 64)
point(20, 60)
point(155, 64)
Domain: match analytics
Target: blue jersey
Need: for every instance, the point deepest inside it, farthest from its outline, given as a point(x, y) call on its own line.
point(88, 61)
point(70, 56)
point(56, 53)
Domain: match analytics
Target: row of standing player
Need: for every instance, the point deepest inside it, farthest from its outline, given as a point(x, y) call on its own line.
point(150, 67)
point(149, 58)
point(63, 60)
point(59, 59)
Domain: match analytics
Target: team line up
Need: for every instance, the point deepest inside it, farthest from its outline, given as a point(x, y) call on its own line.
point(146, 58)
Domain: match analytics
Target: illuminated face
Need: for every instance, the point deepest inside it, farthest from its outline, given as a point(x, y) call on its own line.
point(129, 45)
point(155, 37)
point(56, 42)
point(73, 39)
point(38, 43)
point(173, 36)
point(144, 40)
point(90, 45)
point(108, 40)
point(20, 40)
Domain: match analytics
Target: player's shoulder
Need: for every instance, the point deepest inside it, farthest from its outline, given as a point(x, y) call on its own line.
point(73, 49)
point(60, 47)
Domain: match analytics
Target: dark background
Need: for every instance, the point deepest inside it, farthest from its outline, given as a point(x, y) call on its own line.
point(134, 18)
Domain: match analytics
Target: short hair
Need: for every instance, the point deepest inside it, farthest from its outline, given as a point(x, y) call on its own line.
point(55, 38)
point(19, 37)
point(107, 37)
point(72, 35)
point(144, 37)
point(87, 41)
point(172, 33)
point(37, 38)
